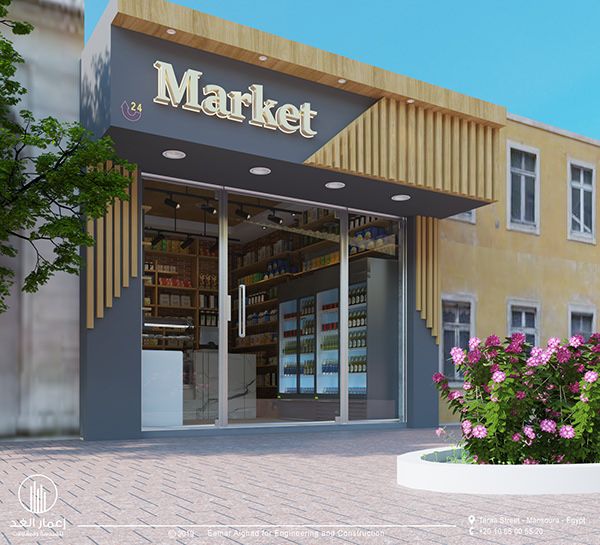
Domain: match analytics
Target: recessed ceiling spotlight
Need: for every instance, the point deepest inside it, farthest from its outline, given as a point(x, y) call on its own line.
point(260, 171)
point(335, 185)
point(263, 58)
point(342, 81)
point(400, 197)
point(173, 154)
point(171, 31)
point(410, 100)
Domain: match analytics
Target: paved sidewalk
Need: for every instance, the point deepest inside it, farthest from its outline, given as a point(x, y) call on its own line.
point(308, 488)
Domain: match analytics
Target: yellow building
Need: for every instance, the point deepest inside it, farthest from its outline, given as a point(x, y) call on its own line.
point(529, 264)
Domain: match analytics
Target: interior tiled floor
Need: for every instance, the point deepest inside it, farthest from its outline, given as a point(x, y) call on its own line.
point(294, 487)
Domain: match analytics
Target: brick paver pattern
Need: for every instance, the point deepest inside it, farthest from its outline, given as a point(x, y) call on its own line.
point(334, 487)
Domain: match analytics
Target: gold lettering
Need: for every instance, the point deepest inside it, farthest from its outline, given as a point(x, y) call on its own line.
point(237, 99)
point(216, 101)
point(261, 109)
point(286, 115)
point(306, 114)
point(170, 92)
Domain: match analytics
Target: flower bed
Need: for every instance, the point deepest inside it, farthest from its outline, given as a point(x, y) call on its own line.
point(528, 405)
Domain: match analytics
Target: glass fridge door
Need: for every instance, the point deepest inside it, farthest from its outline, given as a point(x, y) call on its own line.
point(328, 342)
point(288, 347)
point(357, 339)
point(307, 345)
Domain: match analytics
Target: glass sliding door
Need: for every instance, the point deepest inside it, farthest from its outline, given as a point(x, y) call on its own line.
point(375, 317)
point(283, 348)
point(180, 371)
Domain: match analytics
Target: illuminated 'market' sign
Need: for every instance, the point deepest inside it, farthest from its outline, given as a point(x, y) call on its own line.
point(232, 105)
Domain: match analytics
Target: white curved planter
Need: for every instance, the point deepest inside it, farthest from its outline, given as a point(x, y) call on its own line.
point(419, 470)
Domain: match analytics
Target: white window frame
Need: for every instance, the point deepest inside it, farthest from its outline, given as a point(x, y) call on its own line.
point(462, 216)
point(467, 298)
point(575, 235)
point(577, 308)
point(524, 303)
point(510, 225)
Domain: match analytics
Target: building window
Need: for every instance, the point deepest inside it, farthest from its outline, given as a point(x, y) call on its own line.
point(524, 319)
point(457, 328)
point(582, 320)
point(523, 189)
point(581, 202)
point(468, 216)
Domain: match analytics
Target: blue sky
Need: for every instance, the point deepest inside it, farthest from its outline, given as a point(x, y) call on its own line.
point(539, 58)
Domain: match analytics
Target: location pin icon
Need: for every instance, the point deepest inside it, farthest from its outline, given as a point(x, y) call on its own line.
point(471, 519)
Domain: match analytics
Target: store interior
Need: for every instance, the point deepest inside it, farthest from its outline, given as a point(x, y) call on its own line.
point(283, 335)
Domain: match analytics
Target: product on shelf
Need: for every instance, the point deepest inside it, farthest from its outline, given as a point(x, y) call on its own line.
point(357, 339)
point(357, 296)
point(357, 364)
point(260, 339)
point(330, 342)
point(321, 261)
point(357, 319)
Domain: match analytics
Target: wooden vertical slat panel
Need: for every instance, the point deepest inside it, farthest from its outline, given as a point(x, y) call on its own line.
point(498, 160)
point(429, 151)
point(392, 141)
point(420, 178)
point(368, 142)
point(375, 139)
point(100, 249)
point(360, 146)
point(382, 139)
point(447, 154)
point(352, 148)
point(418, 272)
point(108, 259)
point(117, 275)
point(472, 158)
point(411, 146)
point(489, 165)
point(89, 278)
point(344, 151)
point(134, 224)
point(464, 157)
point(429, 271)
point(455, 155)
point(436, 273)
point(402, 140)
point(480, 186)
point(126, 230)
point(439, 151)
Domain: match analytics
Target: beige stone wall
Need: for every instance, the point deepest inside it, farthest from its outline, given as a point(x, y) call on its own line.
point(39, 336)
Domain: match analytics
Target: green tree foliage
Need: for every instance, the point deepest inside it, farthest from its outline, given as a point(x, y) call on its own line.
point(47, 188)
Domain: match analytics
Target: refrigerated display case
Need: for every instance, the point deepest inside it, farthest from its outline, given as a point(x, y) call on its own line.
point(288, 347)
point(307, 331)
point(328, 342)
point(357, 339)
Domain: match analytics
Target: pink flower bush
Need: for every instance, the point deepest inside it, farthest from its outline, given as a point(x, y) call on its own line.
point(524, 404)
point(566, 432)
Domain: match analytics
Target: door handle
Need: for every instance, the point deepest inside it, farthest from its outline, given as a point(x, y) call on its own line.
point(242, 310)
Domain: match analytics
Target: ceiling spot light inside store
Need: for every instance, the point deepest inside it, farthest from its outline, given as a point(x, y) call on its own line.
point(260, 171)
point(342, 81)
point(263, 58)
point(242, 213)
point(171, 31)
point(335, 185)
point(208, 209)
point(275, 219)
point(173, 154)
point(409, 101)
point(400, 197)
point(158, 238)
point(186, 243)
point(171, 203)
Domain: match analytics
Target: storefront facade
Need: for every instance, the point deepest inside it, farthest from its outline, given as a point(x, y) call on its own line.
point(277, 262)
